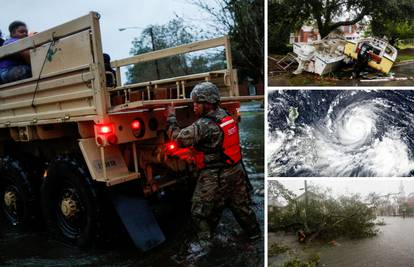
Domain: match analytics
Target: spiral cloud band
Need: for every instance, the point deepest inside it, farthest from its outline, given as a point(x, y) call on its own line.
point(341, 133)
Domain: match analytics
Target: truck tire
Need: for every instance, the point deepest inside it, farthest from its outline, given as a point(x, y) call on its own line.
point(70, 202)
point(18, 197)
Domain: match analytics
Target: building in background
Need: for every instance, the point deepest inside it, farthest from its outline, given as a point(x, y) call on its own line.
point(309, 33)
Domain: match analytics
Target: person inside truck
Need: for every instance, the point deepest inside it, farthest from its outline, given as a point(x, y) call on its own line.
point(1, 44)
point(109, 71)
point(16, 67)
point(363, 58)
point(222, 181)
point(1, 39)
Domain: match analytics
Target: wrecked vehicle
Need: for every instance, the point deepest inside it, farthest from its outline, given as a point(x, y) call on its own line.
point(326, 55)
point(382, 54)
point(319, 57)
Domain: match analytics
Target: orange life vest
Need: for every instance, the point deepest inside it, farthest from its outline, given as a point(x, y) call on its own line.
point(231, 142)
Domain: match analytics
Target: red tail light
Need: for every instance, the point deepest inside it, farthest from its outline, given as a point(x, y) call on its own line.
point(136, 125)
point(104, 129)
point(105, 134)
point(138, 128)
point(171, 146)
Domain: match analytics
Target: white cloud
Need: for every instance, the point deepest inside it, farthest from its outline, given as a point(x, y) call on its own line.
point(362, 186)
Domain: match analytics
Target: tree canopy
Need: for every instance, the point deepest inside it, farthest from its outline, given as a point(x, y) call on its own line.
point(242, 20)
point(171, 34)
point(394, 30)
point(328, 15)
point(323, 216)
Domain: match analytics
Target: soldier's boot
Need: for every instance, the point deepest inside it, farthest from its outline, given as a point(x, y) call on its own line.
point(179, 258)
point(190, 235)
point(202, 245)
point(246, 218)
point(192, 251)
point(195, 248)
point(199, 248)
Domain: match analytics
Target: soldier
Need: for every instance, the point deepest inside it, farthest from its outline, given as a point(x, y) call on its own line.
point(222, 181)
point(362, 61)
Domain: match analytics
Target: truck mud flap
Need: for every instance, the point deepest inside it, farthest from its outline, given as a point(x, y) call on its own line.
point(139, 221)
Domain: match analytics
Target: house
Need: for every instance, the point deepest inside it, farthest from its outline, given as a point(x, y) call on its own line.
point(353, 32)
point(274, 205)
point(410, 200)
point(309, 33)
point(306, 34)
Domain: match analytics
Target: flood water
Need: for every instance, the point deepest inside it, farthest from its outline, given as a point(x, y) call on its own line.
point(393, 246)
point(19, 248)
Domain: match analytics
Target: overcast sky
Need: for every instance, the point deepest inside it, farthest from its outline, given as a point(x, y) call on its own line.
point(364, 187)
point(41, 15)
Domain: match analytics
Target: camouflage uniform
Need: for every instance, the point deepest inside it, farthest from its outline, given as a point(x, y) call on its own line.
point(219, 185)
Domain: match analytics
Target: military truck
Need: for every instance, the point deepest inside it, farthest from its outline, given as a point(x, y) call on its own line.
point(67, 137)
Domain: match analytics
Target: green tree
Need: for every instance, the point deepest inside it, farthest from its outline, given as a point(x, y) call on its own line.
point(283, 19)
point(326, 217)
point(393, 30)
point(328, 15)
point(171, 34)
point(395, 21)
point(243, 21)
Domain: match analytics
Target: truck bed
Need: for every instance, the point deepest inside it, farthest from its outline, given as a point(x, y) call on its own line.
point(69, 84)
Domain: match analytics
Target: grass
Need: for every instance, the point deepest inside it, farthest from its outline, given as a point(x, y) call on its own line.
point(403, 46)
point(404, 57)
point(405, 52)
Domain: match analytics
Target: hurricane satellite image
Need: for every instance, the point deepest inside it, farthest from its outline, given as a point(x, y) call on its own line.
point(340, 133)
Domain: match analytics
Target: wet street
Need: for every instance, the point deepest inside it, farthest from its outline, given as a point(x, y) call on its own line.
point(393, 246)
point(230, 248)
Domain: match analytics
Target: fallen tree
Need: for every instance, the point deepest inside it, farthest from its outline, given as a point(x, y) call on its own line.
point(321, 216)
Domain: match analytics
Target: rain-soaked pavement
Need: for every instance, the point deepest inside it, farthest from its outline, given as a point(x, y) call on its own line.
point(230, 248)
point(393, 246)
point(400, 70)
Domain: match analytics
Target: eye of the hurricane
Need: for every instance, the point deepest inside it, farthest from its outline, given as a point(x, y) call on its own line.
point(355, 127)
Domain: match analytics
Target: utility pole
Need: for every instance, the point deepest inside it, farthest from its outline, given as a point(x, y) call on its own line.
point(152, 42)
point(153, 49)
point(306, 207)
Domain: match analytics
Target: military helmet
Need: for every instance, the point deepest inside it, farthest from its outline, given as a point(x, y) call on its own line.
point(205, 92)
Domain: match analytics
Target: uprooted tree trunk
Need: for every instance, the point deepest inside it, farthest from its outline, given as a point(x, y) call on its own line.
point(325, 12)
point(327, 27)
point(323, 217)
point(325, 227)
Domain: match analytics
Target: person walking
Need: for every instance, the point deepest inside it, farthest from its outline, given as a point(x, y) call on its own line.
point(222, 181)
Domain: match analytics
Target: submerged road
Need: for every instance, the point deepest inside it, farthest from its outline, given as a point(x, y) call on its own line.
point(393, 246)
